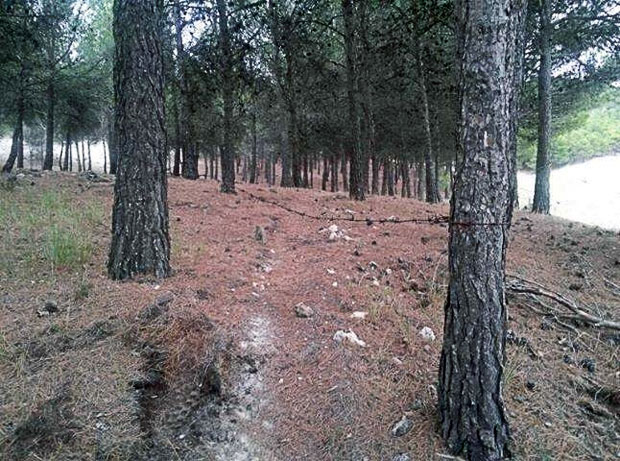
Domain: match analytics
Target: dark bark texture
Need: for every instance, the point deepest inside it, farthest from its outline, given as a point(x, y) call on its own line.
point(541, 202)
point(140, 238)
point(357, 186)
point(228, 155)
point(471, 407)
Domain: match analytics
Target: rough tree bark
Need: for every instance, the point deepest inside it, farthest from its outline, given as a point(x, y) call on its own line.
point(227, 154)
point(471, 407)
point(140, 238)
point(356, 178)
point(541, 202)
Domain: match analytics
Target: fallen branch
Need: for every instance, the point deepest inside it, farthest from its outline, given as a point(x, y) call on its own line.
point(522, 286)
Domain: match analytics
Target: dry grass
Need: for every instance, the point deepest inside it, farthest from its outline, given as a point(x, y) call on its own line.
point(72, 383)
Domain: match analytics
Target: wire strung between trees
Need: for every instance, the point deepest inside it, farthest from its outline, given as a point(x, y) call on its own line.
point(369, 221)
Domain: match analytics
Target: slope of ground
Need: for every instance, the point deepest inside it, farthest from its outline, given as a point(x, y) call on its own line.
point(215, 363)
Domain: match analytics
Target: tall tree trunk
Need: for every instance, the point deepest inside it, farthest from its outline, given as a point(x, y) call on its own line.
point(62, 146)
point(77, 154)
point(176, 165)
point(543, 161)
point(432, 194)
point(105, 158)
point(471, 407)
point(293, 151)
point(343, 170)
point(90, 159)
point(48, 162)
point(66, 161)
point(112, 146)
point(190, 156)
point(520, 23)
point(10, 161)
point(334, 174)
point(356, 183)
point(325, 176)
point(253, 163)
point(228, 155)
point(140, 238)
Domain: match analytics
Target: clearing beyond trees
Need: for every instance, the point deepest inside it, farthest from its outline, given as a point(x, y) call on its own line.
point(283, 334)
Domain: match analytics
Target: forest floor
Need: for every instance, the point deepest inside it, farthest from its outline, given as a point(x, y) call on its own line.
point(216, 363)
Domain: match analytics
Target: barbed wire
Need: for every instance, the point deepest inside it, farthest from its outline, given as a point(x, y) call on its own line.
point(432, 220)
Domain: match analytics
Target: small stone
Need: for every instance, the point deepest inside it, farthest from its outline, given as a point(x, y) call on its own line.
point(427, 348)
point(402, 427)
point(397, 361)
point(359, 315)
point(303, 311)
point(51, 306)
point(589, 364)
point(401, 457)
point(427, 333)
point(350, 336)
point(164, 299)
point(568, 360)
point(575, 286)
point(260, 235)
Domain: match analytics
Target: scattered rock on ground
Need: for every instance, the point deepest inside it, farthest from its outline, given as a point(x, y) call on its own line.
point(401, 457)
point(303, 311)
point(427, 333)
point(359, 315)
point(589, 364)
point(402, 427)
point(260, 235)
point(350, 336)
point(50, 307)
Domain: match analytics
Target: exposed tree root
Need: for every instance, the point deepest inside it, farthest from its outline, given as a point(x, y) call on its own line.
point(520, 285)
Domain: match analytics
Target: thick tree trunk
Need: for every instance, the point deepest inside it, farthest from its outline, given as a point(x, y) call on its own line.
point(10, 161)
point(541, 202)
point(140, 238)
point(228, 155)
point(471, 408)
point(356, 183)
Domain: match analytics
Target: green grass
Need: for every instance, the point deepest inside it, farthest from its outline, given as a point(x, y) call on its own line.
point(45, 229)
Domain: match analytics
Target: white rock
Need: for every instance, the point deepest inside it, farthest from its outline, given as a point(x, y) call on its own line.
point(335, 284)
point(350, 336)
point(427, 334)
point(331, 271)
point(333, 228)
point(359, 315)
point(303, 311)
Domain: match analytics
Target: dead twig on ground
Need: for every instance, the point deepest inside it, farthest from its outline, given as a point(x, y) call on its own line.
point(523, 286)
